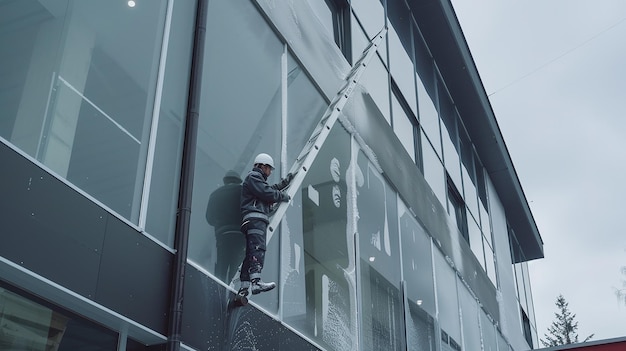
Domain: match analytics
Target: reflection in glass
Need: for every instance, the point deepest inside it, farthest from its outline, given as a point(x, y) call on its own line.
point(305, 107)
point(377, 226)
point(469, 318)
point(78, 92)
point(416, 261)
point(447, 300)
point(28, 325)
point(246, 67)
point(319, 292)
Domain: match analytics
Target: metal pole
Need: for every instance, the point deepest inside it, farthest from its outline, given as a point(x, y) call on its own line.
point(186, 181)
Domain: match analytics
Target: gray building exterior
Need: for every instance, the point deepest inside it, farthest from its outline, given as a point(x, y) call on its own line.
point(119, 120)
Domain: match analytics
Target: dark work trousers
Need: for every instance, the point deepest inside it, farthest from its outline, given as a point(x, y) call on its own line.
point(255, 231)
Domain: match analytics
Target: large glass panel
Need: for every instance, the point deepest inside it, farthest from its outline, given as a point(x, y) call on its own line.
point(420, 329)
point(401, 50)
point(481, 181)
point(161, 214)
point(469, 318)
point(451, 158)
point(324, 14)
point(485, 223)
point(359, 40)
point(519, 279)
point(450, 139)
point(488, 332)
point(468, 171)
point(469, 193)
point(319, 296)
point(476, 241)
point(447, 300)
point(434, 172)
point(428, 116)
point(371, 15)
point(401, 67)
point(377, 227)
point(403, 127)
point(490, 263)
point(530, 309)
point(244, 66)
point(305, 107)
point(376, 80)
point(416, 261)
point(78, 89)
point(29, 325)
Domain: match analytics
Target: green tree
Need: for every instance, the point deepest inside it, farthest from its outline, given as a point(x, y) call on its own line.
point(563, 329)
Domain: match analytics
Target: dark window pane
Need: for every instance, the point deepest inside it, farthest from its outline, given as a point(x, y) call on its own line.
point(28, 325)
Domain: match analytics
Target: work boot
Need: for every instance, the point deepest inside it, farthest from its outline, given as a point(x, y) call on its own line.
point(258, 286)
point(243, 290)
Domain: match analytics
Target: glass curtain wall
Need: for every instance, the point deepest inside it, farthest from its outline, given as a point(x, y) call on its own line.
point(419, 284)
point(382, 321)
point(78, 94)
point(282, 106)
point(319, 296)
point(240, 117)
point(356, 270)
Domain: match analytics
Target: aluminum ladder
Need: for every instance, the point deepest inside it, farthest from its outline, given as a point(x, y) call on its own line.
point(322, 130)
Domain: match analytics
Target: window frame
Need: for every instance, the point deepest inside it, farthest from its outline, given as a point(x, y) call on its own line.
point(340, 10)
point(460, 214)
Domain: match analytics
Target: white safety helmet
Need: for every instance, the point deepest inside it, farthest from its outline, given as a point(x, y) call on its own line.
point(264, 159)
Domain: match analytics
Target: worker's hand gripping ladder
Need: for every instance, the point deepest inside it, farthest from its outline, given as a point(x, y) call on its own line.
point(319, 135)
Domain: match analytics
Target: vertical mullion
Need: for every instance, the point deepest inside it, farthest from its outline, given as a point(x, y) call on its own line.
point(145, 195)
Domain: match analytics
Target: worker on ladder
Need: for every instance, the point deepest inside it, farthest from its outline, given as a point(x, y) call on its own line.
point(257, 200)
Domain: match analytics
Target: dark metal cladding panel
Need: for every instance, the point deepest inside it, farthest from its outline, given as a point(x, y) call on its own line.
point(135, 276)
point(204, 311)
point(47, 227)
point(211, 319)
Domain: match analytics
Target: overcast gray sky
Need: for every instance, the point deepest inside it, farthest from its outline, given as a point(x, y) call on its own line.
point(555, 71)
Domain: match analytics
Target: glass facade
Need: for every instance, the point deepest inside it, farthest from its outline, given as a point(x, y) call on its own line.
point(90, 98)
point(102, 105)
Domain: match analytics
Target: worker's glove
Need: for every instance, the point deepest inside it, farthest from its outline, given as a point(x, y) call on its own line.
point(284, 197)
point(284, 182)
